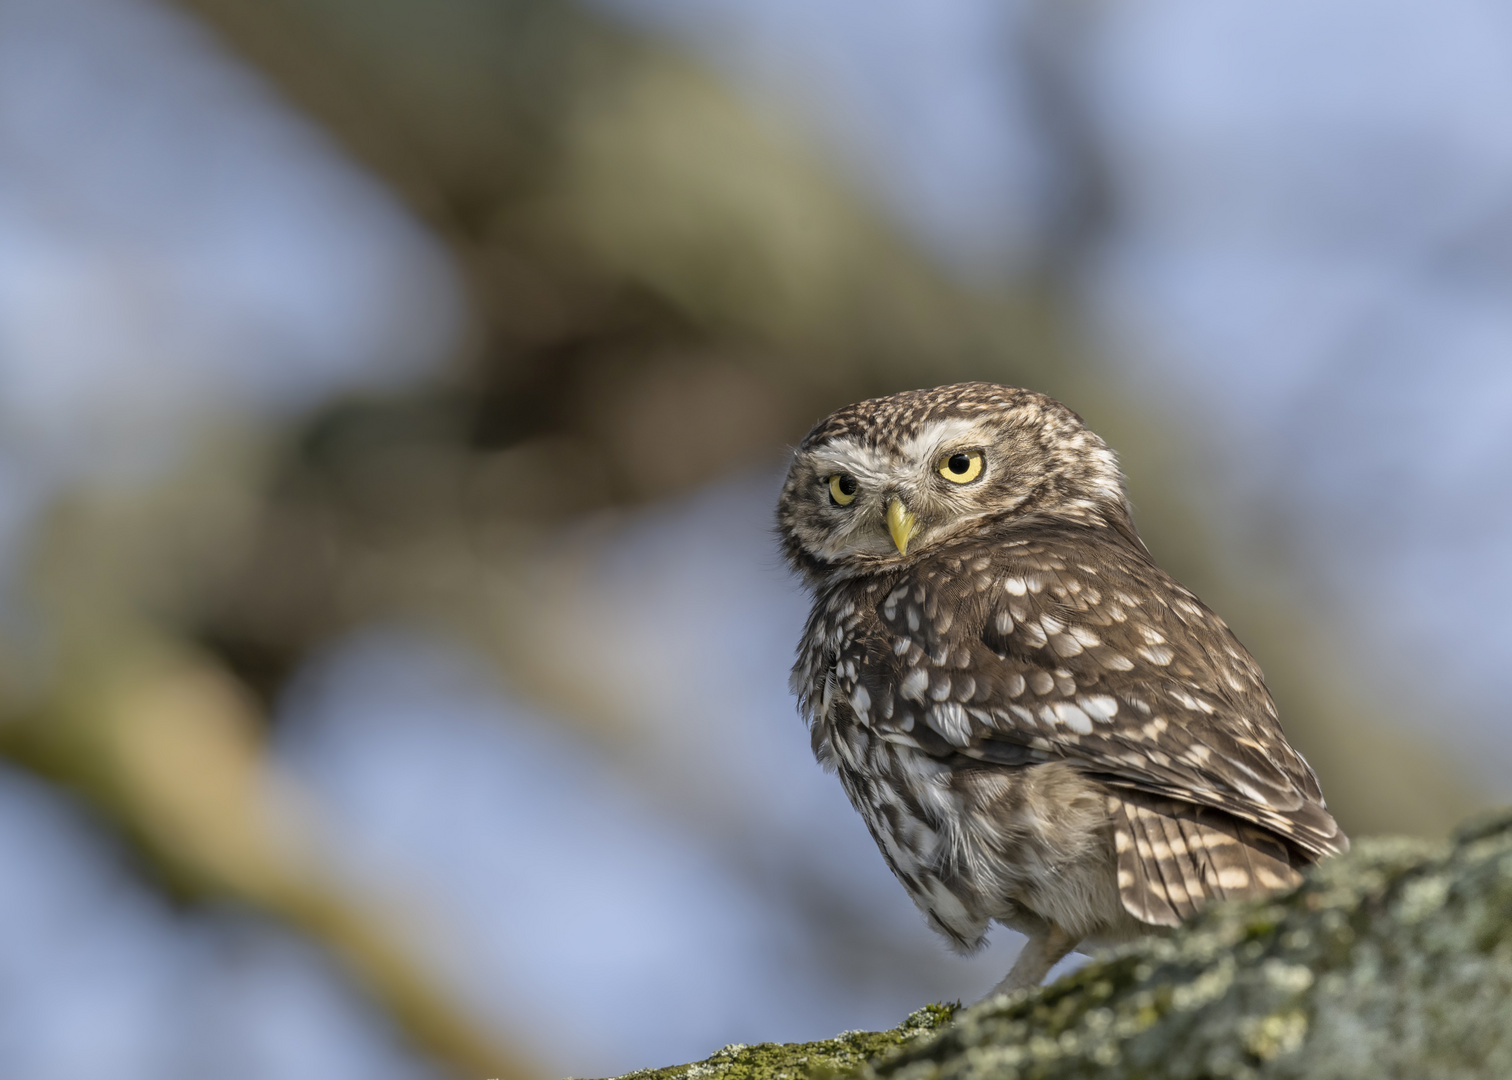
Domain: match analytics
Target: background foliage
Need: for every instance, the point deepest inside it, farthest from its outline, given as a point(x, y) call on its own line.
point(395, 393)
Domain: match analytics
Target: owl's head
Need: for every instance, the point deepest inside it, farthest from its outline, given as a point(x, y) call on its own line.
point(886, 481)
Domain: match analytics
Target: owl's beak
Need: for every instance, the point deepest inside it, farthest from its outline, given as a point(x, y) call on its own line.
point(902, 524)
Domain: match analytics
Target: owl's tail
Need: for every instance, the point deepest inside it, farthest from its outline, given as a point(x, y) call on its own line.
point(1174, 856)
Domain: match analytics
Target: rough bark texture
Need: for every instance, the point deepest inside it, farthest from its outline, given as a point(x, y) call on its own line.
point(1393, 961)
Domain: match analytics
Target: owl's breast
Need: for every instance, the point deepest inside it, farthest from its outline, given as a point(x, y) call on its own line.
point(913, 812)
point(971, 840)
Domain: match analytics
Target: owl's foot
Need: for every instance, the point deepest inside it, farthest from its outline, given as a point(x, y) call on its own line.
point(1039, 954)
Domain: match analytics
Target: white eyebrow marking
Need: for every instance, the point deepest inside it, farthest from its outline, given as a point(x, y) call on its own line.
point(868, 464)
point(931, 440)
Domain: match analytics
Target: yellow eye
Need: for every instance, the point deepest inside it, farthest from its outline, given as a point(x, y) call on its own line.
point(843, 489)
point(961, 467)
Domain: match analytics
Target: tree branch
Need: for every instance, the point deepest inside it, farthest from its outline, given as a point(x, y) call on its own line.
point(1392, 961)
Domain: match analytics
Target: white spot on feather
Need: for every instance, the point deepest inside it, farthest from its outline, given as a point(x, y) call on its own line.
point(1192, 703)
point(1033, 634)
point(1072, 717)
point(1099, 706)
point(1086, 637)
point(951, 721)
point(914, 684)
point(1065, 645)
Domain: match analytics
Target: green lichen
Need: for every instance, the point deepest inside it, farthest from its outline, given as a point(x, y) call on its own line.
point(1394, 961)
point(835, 1057)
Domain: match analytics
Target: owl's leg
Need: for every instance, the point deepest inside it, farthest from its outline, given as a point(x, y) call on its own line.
point(1040, 953)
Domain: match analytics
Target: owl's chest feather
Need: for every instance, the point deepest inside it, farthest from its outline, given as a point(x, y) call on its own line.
point(969, 842)
point(909, 800)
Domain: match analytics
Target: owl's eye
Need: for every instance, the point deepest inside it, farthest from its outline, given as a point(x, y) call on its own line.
point(961, 467)
point(843, 489)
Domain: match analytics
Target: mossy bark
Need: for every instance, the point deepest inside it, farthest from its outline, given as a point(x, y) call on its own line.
point(1394, 961)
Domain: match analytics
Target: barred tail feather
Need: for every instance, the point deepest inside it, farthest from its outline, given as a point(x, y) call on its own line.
point(1173, 857)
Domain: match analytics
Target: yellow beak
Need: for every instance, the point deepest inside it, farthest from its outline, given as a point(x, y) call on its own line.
point(901, 524)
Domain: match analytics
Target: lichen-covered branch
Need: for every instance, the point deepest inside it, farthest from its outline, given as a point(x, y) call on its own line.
point(1393, 961)
point(843, 1054)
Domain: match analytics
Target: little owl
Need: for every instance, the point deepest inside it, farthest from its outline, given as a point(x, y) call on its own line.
point(1040, 727)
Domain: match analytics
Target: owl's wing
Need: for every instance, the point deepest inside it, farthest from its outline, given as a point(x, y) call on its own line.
point(1064, 648)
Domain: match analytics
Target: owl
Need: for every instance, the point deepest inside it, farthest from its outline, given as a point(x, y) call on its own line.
point(1040, 727)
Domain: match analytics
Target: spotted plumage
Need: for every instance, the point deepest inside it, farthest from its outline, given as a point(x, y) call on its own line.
point(1040, 727)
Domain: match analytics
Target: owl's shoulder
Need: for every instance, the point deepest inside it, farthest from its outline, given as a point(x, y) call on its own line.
point(1065, 595)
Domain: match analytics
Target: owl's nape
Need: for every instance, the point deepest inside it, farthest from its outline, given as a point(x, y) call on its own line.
point(1039, 726)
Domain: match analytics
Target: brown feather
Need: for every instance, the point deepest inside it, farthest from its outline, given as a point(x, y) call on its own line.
point(1183, 855)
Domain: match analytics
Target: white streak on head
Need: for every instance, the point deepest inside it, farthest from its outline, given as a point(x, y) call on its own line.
point(935, 437)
